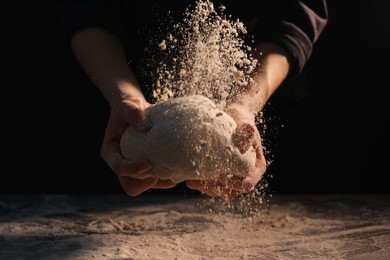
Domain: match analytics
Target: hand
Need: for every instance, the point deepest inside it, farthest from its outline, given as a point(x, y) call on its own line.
point(246, 135)
point(134, 177)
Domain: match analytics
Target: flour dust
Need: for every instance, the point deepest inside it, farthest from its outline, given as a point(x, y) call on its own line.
point(204, 54)
point(207, 54)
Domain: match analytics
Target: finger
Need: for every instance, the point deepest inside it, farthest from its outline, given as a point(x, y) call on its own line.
point(254, 176)
point(200, 186)
point(243, 137)
point(164, 184)
point(250, 181)
point(237, 183)
point(260, 163)
point(110, 151)
point(114, 131)
point(247, 183)
point(137, 116)
point(231, 195)
point(134, 187)
point(138, 170)
point(143, 123)
point(122, 167)
point(225, 192)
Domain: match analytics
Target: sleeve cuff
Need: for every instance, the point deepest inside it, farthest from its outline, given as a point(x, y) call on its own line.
point(79, 16)
point(289, 37)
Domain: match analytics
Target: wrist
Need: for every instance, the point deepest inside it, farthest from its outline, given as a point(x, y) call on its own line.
point(237, 108)
point(252, 100)
point(123, 92)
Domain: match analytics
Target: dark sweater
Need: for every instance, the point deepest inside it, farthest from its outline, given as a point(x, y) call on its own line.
point(294, 25)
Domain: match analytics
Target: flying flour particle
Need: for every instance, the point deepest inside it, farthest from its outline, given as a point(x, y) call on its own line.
point(205, 54)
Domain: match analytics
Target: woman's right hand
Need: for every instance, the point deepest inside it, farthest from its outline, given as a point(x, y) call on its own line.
point(134, 176)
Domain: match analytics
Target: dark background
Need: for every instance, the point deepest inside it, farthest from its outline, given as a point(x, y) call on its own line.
point(54, 119)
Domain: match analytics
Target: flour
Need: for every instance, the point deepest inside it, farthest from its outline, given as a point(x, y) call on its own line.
point(191, 139)
point(205, 54)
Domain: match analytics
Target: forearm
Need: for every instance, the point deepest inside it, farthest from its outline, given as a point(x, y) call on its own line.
point(102, 57)
point(272, 69)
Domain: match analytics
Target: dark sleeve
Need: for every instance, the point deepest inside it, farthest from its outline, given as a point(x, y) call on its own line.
point(294, 25)
point(70, 16)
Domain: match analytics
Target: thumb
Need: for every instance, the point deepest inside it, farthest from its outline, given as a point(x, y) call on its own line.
point(243, 137)
point(143, 123)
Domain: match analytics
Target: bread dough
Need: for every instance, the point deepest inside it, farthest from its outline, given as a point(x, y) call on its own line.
point(191, 139)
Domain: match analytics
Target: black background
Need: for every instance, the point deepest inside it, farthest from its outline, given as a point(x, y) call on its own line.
point(54, 119)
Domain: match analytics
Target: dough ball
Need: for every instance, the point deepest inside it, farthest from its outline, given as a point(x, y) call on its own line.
point(191, 139)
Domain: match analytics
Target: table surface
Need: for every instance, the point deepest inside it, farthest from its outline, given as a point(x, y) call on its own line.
point(173, 226)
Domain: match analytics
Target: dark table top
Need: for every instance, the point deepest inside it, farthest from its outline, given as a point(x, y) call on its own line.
point(172, 226)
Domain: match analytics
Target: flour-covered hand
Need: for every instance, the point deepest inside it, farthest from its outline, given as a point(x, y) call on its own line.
point(246, 135)
point(134, 176)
